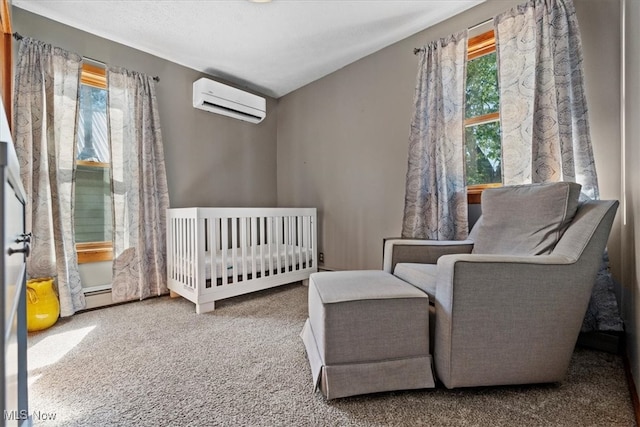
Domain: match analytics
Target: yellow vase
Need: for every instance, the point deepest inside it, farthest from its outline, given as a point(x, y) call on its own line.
point(43, 307)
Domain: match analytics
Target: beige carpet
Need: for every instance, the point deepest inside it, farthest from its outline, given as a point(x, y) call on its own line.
point(157, 363)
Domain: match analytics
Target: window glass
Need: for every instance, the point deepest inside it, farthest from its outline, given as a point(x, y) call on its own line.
point(92, 125)
point(93, 205)
point(483, 153)
point(482, 115)
point(482, 86)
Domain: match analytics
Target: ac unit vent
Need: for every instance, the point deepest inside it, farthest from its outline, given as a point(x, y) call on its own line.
point(231, 110)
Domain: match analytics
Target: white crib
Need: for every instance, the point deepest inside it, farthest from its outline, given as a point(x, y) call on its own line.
point(217, 253)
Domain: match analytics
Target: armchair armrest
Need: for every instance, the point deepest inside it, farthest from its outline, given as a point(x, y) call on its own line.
point(504, 319)
point(397, 250)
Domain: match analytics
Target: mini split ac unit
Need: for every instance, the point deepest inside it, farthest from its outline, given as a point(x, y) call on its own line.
point(222, 99)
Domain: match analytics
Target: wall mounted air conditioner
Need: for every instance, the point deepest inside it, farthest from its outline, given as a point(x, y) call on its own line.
point(222, 99)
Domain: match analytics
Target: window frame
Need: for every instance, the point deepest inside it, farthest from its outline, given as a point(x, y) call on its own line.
point(477, 46)
point(88, 252)
point(6, 55)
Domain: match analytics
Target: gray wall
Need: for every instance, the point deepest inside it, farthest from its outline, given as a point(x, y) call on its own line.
point(600, 30)
point(211, 160)
point(342, 140)
point(631, 203)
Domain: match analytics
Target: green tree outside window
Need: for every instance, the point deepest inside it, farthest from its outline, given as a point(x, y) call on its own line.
point(482, 135)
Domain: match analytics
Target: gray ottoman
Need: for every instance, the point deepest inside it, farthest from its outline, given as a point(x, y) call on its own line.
point(367, 332)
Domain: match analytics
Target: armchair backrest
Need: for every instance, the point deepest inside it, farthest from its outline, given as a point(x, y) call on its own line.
point(587, 235)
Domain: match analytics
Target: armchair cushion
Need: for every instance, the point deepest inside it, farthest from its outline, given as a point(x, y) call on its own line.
point(422, 276)
point(524, 219)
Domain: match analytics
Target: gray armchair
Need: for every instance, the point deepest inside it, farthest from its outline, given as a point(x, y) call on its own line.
point(509, 302)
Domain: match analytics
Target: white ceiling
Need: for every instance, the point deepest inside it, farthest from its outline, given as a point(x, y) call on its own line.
point(273, 48)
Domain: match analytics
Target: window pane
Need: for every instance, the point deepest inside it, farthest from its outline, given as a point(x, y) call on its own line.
point(482, 94)
point(92, 125)
point(92, 204)
point(483, 153)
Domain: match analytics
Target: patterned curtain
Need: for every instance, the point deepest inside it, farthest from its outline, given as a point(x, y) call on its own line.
point(544, 120)
point(44, 123)
point(543, 109)
point(140, 193)
point(436, 194)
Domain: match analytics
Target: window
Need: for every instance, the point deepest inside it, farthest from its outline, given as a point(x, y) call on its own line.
point(93, 206)
point(482, 117)
point(6, 57)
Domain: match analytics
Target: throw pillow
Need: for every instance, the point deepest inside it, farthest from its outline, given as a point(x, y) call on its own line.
point(524, 219)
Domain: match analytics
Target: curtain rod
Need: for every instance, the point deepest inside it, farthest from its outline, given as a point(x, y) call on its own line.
point(416, 50)
point(18, 36)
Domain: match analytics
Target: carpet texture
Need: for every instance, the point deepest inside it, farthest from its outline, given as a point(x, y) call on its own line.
point(157, 363)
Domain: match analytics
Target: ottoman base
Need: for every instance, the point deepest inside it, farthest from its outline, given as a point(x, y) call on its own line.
point(363, 378)
point(367, 332)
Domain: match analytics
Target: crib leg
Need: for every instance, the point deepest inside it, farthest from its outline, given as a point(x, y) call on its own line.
point(206, 307)
point(173, 294)
point(305, 282)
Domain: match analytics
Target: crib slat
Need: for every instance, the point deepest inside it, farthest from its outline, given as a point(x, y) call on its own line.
point(176, 249)
point(303, 243)
point(243, 247)
point(170, 249)
point(262, 242)
point(285, 237)
point(179, 240)
point(213, 251)
point(299, 243)
point(224, 233)
point(279, 232)
point(287, 244)
point(193, 230)
point(290, 244)
point(307, 224)
point(199, 261)
point(190, 250)
point(252, 245)
point(312, 242)
point(294, 241)
point(183, 248)
point(234, 250)
point(220, 249)
point(269, 242)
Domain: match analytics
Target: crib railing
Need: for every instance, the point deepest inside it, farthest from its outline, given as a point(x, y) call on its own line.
point(250, 248)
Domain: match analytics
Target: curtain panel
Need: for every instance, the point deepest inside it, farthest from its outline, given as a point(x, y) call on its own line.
point(45, 111)
point(140, 192)
point(436, 194)
point(543, 109)
point(544, 117)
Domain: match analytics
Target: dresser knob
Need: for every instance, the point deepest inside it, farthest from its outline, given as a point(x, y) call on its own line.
point(24, 237)
point(26, 250)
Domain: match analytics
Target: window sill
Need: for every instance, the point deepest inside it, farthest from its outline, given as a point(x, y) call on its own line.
point(474, 192)
point(94, 252)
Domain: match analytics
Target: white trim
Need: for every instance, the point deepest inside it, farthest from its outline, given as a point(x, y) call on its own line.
point(96, 289)
point(98, 300)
